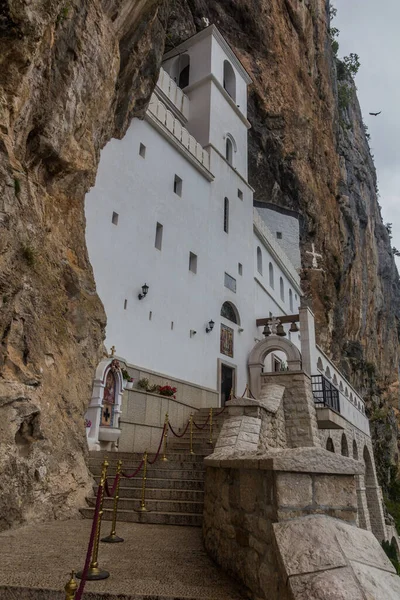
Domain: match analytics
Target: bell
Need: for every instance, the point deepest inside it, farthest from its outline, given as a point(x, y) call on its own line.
point(280, 330)
point(293, 327)
point(267, 331)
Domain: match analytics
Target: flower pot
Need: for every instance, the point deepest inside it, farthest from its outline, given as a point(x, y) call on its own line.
point(129, 385)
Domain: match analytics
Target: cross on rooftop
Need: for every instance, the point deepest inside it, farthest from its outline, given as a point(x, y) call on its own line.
point(113, 350)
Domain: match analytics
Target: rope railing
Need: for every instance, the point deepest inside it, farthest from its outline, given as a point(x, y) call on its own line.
point(91, 570)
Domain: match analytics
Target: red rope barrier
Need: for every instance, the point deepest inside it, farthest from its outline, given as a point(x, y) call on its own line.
point(205, 424)
point(135, 473)
point(151, 462)
point(220, 412)
point(111, 493)
point(177, 434)
point(90, 546)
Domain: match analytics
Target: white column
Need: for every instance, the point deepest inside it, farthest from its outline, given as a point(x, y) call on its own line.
point(308, 343)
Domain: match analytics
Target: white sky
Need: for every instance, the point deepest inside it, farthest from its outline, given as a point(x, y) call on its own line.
point(371, 30)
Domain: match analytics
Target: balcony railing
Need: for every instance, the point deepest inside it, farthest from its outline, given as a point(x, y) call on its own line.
point(325, 394)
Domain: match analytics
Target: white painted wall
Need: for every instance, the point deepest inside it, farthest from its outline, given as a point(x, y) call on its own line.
point(288, 226)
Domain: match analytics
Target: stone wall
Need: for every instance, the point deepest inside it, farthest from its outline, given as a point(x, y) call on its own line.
point(354, 443)
point(299, 409)
point(143, 413)
point(245, 497)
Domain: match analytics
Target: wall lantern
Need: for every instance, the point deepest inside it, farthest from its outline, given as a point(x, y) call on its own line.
point(210, 326)
point(145, 289)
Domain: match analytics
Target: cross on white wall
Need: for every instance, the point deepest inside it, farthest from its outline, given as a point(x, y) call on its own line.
point(314, 255)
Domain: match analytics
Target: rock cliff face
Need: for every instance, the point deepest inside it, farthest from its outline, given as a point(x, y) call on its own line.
point(309, 152)
point(73, 75)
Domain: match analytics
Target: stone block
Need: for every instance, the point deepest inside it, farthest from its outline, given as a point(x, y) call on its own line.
point(293, 489)
point(377, 584)
point(315, 549)
point(337, 584)
point(360, 545)
point(249, 485)
point(335, 491)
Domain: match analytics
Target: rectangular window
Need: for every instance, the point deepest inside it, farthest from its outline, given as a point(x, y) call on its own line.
point(178, 185)
point(230, 282)
point(192, 262)
point(125, 304)
point(240, 194)
point(142, 150)
point(240, 268)
point(159, 232)
point(226, 215)
point(172, 325)
point(279, 235)
point(114, 218)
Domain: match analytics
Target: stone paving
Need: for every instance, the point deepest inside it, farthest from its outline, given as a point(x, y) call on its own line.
point(156, 562)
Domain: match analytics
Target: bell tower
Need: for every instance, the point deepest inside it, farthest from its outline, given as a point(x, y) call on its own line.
point(215, 81)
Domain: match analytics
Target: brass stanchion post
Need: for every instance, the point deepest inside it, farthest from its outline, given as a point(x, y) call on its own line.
point(143, 500)
point(210, 441)
point(113, 538)
point(71, 587)
point(191, 434)
point(164, 457)
point(94, 572)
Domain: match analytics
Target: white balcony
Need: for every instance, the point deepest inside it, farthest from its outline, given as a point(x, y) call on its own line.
point(174, 93)
point(180, 133)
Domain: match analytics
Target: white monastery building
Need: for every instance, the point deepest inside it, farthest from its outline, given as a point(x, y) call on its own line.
point(186, 261)
point(200, 282)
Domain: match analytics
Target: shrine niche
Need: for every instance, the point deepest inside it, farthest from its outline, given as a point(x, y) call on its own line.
point(102, 416)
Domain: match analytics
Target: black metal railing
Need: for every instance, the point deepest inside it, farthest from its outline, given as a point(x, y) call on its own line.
point(325, 394)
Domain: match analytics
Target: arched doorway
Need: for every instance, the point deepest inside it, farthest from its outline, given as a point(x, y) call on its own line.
point(262, 349)
point(227, 370)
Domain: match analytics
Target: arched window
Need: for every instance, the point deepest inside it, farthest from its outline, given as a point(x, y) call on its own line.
point(320, 366)
point(328, 373)
point(290, 299)
point(271, 275)
point(355, 450)
point(329, 445)
point(226, 215)
point(229, 79)
point(259, 260)
point(229, 151)
point(184, 71)
point(229, 311)
point(282, 289)
point(344, 446)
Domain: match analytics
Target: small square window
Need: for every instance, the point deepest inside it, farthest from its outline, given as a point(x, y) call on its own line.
point(279, 235)
point(159, 234)
point(230, 282)
point(193, 262)
point(114, 218)
point(178, 185)
point(240, 268)
point(142, 150)
point(240, 194)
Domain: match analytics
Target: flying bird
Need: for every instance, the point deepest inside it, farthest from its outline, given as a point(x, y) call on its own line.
point(375, 114)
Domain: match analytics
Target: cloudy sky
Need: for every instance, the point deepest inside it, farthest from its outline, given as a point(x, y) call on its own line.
point(371, 30)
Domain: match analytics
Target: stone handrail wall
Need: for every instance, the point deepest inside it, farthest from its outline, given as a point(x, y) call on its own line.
point(276, 248)
point(352, 406)
point(175, 127)
point(174, 93)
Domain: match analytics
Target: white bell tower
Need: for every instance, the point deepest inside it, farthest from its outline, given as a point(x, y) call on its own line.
point(215, 81)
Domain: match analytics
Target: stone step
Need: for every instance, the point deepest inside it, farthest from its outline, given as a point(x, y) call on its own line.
point(160, 494)
point(130, 466)
point(130, 516)
point(162, 506)
point(161, 483)
point(161, 473)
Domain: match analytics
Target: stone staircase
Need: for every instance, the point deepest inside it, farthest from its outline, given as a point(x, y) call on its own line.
point(174, 488)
